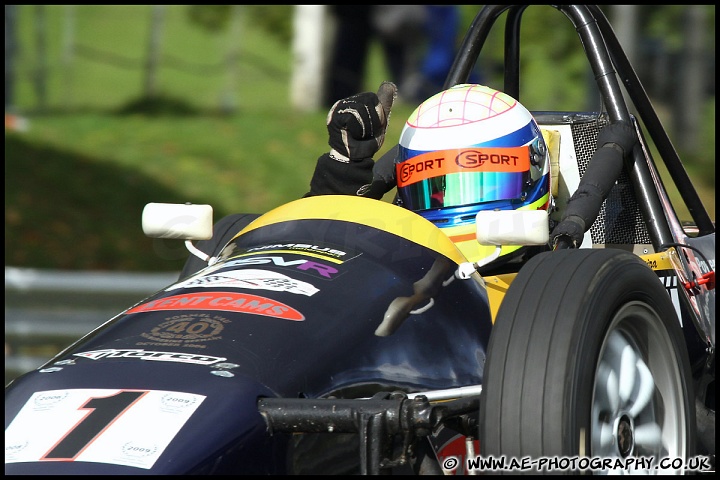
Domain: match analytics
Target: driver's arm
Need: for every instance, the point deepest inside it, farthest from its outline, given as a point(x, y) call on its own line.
point(614, 141)
point(356, 127)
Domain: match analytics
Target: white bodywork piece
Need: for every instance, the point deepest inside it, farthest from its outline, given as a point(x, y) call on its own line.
point(178, 221)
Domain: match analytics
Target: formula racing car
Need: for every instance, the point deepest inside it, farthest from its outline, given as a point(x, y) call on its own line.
point(346, 335)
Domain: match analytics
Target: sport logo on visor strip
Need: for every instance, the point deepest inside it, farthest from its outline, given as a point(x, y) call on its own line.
point(443, 162)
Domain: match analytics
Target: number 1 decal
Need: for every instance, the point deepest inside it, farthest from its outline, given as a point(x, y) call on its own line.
point(102, 412)
point(101, 425)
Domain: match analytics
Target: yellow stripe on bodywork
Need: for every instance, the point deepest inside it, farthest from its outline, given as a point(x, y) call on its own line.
point(497, 286)
point(364, 211)
point(304, 253)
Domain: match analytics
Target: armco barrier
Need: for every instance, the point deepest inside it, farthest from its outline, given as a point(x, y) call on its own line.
point(47, 310)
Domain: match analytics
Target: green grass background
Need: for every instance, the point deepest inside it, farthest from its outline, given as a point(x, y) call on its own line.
point(77, 180)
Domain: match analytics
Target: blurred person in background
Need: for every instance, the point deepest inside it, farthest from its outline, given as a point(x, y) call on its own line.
point(440, 44)
point(419, 43)
point(398, 28)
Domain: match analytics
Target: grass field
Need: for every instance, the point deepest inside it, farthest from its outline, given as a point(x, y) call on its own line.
point(77, 179)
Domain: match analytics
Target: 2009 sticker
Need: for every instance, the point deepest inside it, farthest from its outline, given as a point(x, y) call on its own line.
point(114, 426)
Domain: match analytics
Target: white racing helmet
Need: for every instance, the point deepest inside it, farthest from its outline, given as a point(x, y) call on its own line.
point(471, 148)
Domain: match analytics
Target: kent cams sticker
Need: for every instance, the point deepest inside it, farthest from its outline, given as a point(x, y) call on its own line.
point(188, 330)
point(222, 301)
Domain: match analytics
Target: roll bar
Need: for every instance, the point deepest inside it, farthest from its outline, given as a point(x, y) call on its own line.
point(608, 62)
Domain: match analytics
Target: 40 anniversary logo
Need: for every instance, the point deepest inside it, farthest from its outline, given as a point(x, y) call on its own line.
point(186, 330)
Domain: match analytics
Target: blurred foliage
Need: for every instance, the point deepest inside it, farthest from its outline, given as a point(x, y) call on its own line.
point(158, 104)
point(78, 212)
point(213, 18)
point(276, 20)
point(662, 24)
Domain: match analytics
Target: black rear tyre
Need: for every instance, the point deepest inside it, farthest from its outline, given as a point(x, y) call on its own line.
point(587, 358)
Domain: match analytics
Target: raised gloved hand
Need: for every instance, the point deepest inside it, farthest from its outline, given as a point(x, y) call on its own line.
point(357, 124)
point(621, 134)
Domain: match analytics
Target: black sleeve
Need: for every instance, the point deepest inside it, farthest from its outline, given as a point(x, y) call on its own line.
point(365, 177)
point(332, 177)
point(595, 185)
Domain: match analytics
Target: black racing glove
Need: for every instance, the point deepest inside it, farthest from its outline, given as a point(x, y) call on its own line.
point(356, 127)
point(357, 124)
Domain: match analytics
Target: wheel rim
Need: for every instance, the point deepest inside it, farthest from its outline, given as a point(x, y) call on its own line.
point(639, 406)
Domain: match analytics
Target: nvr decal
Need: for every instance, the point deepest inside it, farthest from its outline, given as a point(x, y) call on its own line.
point(224, 301)
point(304, 265)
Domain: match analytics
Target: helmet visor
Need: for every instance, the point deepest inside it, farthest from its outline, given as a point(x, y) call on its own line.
point(449, 178)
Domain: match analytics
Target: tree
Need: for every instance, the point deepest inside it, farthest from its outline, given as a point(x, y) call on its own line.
point(10, 51)
point(152, 63)
point(40, 74)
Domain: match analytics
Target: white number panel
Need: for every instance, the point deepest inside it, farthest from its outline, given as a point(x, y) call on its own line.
point(123, 427)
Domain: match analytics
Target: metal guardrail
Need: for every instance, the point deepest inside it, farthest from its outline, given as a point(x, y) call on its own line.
point(47, 310)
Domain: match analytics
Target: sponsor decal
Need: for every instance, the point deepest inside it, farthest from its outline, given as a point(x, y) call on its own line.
point(670, 282)
point(302, 248)
point(48, 399)
point(249, 278)
point(186, 330)
point(478, 159)
point(223, 301)
point(110, 426)
point(301, 264)
point(50, 370)
point(137, 450)
point(171, 401)
point(308, 266)
point(15, 449)
point(150, 355)
point(65, 362)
